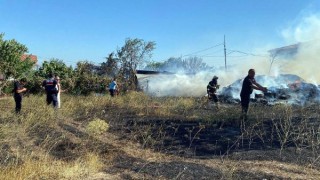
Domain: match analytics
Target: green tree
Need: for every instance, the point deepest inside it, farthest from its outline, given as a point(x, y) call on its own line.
point(57, 67)
point(134, 53)
point(11, 64)
point(87, 80)
point(85, 67)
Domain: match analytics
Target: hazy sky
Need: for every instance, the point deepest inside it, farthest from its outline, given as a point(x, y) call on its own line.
point(74, 30)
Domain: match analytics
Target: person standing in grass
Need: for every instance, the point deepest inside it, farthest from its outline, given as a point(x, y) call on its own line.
point(58, 86)
point(18, 89)
point(249, 83)
point(113, 87)
point(50, 86)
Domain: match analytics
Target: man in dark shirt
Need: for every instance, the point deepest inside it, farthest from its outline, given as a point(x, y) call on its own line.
point(18, 89)
point(249, 83)
point(50, 85)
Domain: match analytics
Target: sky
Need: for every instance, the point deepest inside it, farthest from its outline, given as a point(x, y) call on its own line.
point(75, 30)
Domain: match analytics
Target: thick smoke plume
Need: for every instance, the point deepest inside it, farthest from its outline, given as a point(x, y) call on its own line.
point(305, 63)
point(307, 60)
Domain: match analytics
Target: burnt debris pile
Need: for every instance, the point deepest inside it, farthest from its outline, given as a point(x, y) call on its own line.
point(286, 88)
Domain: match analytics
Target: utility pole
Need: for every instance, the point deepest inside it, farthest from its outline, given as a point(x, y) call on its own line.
point(225, 52)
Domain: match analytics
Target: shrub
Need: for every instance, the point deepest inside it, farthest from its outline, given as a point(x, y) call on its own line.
point(97, 127)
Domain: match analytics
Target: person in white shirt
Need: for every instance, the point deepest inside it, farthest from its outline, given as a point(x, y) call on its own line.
point(58, 86)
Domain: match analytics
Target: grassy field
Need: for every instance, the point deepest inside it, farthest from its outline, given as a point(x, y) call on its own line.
point(140, 137)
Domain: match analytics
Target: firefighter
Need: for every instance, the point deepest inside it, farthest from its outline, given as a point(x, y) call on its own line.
point(212, 88)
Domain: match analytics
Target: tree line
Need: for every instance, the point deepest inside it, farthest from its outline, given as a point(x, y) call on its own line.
point(86, 77)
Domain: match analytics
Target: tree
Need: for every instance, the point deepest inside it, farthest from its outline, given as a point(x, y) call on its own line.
point(194, 65)
point(273, 56)
point(173, 65)
point(57, 67)
point(11, 64)
point(85, 67)
point(53, 66)
point(110, 67)
point(87, 80)
point(154, 66)
point(189, 65)
point(134, 53)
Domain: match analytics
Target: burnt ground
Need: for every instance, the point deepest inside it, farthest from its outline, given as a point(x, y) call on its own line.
point(199, 140)
point(206, 139)
point(124, 165)
point(193, 138)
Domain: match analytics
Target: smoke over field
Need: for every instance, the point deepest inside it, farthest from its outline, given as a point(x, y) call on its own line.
point(304, 63)
point(307, 60)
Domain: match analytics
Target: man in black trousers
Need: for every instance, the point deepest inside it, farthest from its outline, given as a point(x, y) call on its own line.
point(249, 83)
point(50, 86)
point(18, 89)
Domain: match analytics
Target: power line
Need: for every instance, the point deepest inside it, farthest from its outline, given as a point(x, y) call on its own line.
point(251, 54)
point(227, 56)
point(202, 50)
point(212, 53)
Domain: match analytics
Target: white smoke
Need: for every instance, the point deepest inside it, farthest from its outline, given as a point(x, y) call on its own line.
point(176, 84)
point(306, 29)
point(307, 60)
point(304, 64)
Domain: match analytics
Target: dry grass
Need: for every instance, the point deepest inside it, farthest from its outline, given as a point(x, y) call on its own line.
point(23, 159)
point(45, 167)
point(80, 128)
